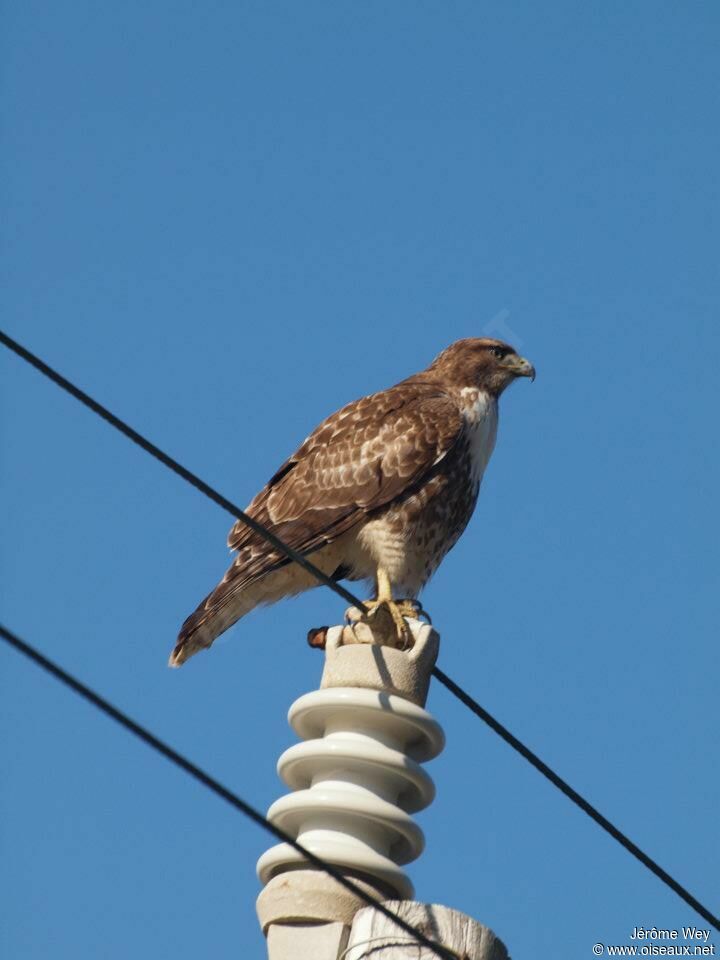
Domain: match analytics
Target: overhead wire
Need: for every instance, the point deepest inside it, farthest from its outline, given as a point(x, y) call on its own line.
point(346, 595)
point(142, 733)
point(576, 798)
point(177, 468)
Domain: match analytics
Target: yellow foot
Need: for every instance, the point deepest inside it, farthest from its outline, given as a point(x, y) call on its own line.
point(412, 610)
point(387, 620)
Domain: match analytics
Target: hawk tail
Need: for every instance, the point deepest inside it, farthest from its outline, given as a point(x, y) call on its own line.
point(217, 612)
point(237, 594)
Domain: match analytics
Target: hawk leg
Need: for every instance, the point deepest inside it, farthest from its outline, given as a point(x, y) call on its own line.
point(392, 612)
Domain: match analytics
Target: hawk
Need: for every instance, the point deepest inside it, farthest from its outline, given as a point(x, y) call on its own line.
point(380, 491)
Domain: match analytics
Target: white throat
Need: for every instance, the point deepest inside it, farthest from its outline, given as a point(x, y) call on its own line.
point(480, 411)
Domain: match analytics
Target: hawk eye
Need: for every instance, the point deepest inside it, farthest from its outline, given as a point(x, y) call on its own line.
point(498, 352)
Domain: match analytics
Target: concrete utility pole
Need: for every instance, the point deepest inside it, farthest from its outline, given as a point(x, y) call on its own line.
point(356, 779)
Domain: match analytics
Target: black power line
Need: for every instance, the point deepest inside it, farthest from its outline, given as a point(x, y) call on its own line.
point(177, 468)
point(453, 687)
point(212, 784)
point(573, 795)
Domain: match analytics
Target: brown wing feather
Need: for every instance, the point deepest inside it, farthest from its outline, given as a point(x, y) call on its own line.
point(361, 458)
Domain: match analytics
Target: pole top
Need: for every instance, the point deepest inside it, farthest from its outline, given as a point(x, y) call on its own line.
point(356, 657)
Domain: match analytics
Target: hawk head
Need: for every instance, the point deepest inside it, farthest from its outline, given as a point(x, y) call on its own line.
point(480, 362)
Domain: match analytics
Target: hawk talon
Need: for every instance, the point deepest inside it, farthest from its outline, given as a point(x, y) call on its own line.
point(395, 622)
point(413, 610)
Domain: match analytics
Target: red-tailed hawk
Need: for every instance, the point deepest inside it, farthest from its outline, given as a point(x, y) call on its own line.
point(380, 491)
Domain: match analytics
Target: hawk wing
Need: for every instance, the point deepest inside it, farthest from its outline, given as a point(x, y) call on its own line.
point(369, 453)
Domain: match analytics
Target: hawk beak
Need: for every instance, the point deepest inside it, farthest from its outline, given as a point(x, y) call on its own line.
point(520, 366)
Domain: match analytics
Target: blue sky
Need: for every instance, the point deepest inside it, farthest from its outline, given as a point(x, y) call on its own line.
point(226, 220)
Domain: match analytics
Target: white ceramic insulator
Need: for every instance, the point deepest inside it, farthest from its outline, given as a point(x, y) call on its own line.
point(357, 778)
